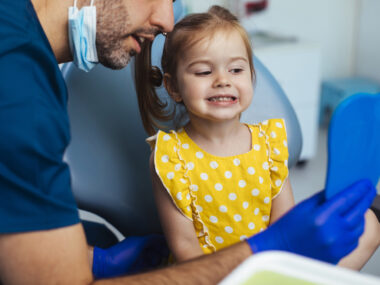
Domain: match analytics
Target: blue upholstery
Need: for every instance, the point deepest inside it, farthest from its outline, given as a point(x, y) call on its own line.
point(108, 155)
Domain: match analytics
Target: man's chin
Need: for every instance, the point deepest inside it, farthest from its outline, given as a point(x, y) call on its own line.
point(115, 62)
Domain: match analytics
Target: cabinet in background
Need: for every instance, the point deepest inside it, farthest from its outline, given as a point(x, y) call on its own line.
point(296, 66)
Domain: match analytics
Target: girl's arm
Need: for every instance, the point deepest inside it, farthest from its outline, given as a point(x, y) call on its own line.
point(178, 229)
point(282, 203)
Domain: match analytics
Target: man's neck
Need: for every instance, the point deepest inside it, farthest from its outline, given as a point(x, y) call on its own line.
point(52, 15)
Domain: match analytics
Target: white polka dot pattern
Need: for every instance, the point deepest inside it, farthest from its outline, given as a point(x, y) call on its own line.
point(204, 176)
point(199, 155)
point(231, 196)
point(194, 187)
point(251, 170)
point(213, 219)
point(218, 187)
point(257, 147)
point(190, 166)
point(177, 167)
point(208, 198)
point(219, 239)
point(242, 183)
point(228, 229)
point(214, 164)
point(237, 217)
point(223, 209)
point(251, 226)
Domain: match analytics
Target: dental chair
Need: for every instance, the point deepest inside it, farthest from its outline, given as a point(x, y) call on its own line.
point(108, 155)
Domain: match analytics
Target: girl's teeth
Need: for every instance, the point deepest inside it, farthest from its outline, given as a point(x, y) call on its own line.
point(219, 99)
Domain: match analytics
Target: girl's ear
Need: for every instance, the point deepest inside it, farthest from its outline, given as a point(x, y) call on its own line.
point(171, 87)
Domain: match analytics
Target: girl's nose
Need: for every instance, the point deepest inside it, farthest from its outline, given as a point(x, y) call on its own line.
point(221, 81)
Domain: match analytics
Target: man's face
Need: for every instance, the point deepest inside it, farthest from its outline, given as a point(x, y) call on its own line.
point(122, 25)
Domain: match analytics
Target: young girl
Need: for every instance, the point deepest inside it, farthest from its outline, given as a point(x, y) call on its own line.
point(216, 180)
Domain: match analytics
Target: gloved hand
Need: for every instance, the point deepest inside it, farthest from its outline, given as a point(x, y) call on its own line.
point(132, 255)
point(320, 229)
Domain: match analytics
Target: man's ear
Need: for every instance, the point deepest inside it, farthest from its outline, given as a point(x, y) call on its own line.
point(171, 87)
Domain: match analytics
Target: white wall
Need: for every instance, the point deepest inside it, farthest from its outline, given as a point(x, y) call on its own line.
point(368, 52)
point(195, 6)
point(331, 23)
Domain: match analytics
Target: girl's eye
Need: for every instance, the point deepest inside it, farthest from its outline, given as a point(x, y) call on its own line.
point(236, 70)
point(203, 73)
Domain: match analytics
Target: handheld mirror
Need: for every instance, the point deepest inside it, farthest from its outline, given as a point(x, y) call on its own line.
point(353, 143)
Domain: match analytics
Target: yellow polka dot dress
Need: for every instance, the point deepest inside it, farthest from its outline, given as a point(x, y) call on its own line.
point(227, 198)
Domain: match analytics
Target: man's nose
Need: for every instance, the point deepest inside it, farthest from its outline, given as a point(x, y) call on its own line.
point(163, 16)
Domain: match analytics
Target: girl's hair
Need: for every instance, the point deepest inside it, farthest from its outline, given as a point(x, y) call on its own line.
point(186, 33)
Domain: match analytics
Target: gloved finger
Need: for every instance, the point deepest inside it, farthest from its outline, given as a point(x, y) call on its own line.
point(313, 201)
point(155, 250)
point(357, 214)
point(359, 209)
point(131, 245)
point(156, 243)
point(347, 198)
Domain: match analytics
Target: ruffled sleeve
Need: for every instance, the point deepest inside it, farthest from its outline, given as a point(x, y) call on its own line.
point(171, 170)
point(275, 131)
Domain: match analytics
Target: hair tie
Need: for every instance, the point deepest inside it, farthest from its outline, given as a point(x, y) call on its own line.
point(156, 76)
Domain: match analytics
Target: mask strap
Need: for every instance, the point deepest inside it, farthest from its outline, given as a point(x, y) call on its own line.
point(92, 2)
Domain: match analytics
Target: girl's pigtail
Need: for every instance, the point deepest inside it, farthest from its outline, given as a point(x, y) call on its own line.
point(147, 78)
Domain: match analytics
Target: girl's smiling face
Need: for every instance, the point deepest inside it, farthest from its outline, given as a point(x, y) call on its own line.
point(214, 78)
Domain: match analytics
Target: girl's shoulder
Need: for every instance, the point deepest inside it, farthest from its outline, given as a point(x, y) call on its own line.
point(274, 128)
point(164, 138)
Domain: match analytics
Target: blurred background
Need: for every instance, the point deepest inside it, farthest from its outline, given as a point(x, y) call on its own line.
point(321, 52)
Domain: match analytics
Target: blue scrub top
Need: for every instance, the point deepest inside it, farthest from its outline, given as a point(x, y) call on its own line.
point(35, 190)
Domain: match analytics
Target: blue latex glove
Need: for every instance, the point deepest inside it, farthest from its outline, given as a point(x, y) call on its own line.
point(132, 255)
point(320, 229)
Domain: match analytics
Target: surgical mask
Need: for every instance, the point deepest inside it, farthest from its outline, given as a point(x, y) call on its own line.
point(82, 36)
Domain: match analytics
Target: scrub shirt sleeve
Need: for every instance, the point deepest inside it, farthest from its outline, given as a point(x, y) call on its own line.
point(34, 129)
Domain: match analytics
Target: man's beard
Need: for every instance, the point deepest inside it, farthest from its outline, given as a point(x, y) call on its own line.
point(113, 24)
